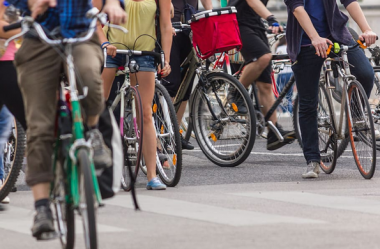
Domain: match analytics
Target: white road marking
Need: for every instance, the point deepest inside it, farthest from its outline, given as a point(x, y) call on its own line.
point(206, 213)
point(20, 220)
point(317, 200)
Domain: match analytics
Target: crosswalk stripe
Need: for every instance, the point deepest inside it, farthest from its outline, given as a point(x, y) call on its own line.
point(20, 220)
point(206, 213)
point(317, 200)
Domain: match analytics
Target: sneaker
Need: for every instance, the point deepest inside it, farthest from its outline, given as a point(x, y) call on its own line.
point(102, 154)
point(43, 226)
point(186, 145)
point(272, 141)
point(6, 200)
point(239, 106)
point(155, 184)
point(312, 170)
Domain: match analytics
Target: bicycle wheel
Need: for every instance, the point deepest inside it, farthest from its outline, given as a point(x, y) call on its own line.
point(374, 102)
point(226, 139)
point(13, 158)
point(361, 130)
point(87, 202)
point(64, 211)
point(328, 144)
point(132, 137)
point(169, 147)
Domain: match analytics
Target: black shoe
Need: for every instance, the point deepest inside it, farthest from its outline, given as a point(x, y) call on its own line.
point(237, 102)
point(186, 145)
point(272, 141)
point(43, 226)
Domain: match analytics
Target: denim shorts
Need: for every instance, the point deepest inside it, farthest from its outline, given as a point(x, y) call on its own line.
point(146, 62)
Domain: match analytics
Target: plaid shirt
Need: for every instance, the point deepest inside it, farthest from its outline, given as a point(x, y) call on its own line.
point(70, 15)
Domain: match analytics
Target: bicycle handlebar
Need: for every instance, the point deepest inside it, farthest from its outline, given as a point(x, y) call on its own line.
point(28, 22)
point(179, 27)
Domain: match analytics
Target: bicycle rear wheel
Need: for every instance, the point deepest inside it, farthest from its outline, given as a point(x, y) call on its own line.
point(132, 137)
point(87, 201)
point(169, 147)
point(361, 130)
point(328, 145)
point(374, 102)
point(13, 158)
point(226, 139)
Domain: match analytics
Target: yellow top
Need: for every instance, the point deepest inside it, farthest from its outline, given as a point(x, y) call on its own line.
point(141, 20)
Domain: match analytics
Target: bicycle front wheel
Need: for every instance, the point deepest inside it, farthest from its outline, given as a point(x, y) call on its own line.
point(361, 130)
point(13, 158)
point(169, 147)
point(87, 201)
point(224, 120)
point(132, 130)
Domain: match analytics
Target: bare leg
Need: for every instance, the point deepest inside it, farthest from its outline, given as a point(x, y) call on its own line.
point(146, 90)
point(254, 69)
point(266, 98)
point(108, 76)
point(181, 112)
point(41, 191)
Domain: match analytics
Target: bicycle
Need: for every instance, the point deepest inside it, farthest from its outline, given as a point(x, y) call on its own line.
point(355, 125)
point(14, 152)
point(75, 185)
point(225, 135)
point(131, 125)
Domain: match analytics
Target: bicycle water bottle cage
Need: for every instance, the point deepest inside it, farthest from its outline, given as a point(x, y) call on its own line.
point(133, 66)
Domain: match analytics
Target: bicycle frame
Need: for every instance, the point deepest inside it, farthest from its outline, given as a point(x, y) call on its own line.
point(77, 140)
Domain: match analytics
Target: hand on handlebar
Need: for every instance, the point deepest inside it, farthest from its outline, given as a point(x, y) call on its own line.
point(40, 6)
point(166, 70)
point(321, 46)
point(115, 13)
point(369, 37)
point(111, 50)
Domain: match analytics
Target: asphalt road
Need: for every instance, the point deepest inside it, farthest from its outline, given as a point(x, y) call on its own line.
point(263, 203)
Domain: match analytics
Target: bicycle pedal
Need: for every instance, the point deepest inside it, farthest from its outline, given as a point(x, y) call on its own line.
point(48, 236)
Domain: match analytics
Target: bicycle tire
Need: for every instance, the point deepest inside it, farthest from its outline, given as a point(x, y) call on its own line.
point(170, 177)
point(87, 200)
point(361, 130)
point(19, 138)
point(208, 142)
point(129, 131)
point(376, 110)
point(64, 212)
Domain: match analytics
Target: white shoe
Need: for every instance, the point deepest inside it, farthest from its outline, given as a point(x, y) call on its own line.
point(312, 170)
point(6, 200)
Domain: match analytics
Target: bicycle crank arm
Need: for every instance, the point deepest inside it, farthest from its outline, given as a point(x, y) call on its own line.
point(275, 130)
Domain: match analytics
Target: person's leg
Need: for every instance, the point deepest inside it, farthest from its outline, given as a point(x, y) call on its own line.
point(254, 69)
point(307, 71)
point(88, 60)
point(38, 67)
point(108, 76)
point(10, 93)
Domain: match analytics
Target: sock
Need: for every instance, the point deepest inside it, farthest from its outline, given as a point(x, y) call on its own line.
point(41, 202)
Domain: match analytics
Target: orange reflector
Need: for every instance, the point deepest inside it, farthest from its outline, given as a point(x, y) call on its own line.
point(162, 129)
point(234, 106)
point(174, 159)
point(213, 137)
point(181, 131)
point(154, 108)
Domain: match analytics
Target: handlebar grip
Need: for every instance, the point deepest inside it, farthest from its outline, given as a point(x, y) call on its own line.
point(12, 26)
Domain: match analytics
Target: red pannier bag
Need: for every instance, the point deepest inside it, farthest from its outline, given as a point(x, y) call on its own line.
point(215, 31)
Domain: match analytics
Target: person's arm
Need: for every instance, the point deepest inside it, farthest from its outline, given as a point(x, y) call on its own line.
point(319, 43)
point(115, 13)
point(264, 13)
point(9, 34)
point(166, 34)
point(207, 4)
point(357, 14)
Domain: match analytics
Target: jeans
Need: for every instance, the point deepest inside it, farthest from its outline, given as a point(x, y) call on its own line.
point(282, 80)
point(307, 71)
point(5, 130)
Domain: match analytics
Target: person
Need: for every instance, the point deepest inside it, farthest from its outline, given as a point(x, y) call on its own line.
point(39, 67)
point(5, 130)
point(312, 26)
point(141, 36)
point(284, 76)
point(257, 56)
point(180, 49)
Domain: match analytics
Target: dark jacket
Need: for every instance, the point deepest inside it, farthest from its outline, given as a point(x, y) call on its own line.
point(336, 20)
